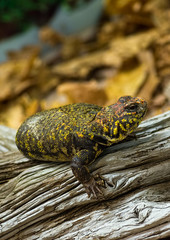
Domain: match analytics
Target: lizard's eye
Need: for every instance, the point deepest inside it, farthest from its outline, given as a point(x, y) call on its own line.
point(132, 108)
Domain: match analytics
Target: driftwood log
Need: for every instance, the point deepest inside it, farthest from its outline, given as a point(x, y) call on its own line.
point(45, 201)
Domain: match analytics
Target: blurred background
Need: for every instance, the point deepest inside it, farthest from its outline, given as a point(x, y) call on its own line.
point(57, 52)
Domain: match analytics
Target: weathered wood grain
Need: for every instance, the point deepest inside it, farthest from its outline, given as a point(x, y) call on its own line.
point(44, 200)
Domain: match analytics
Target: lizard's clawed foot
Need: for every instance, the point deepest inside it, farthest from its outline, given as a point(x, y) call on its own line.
point(93, 186)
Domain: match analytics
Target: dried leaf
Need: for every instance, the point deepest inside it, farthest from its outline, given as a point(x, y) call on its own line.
point(24, 53)
point(13, 73)
point(12, 116)
point(50, 36)
point(152, 80)
point(117, 6)
point(159, 100)
point(126, 82)
point(89, 92)
point(119, 51)
point(18, 75)
point(33, 107)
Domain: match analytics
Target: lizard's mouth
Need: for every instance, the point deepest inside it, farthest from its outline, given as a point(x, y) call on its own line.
point(142, 109)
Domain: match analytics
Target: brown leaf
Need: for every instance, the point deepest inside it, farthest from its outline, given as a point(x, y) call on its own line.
point(50, 36)
point(89, 92)
point(152, 80)
point(12, 73)
point(127, 82)
point(119, 51)
point(159, 100)
point(12, 116)
point(117, 6)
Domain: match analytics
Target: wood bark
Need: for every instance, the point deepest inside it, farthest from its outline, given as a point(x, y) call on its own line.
point(45, 201)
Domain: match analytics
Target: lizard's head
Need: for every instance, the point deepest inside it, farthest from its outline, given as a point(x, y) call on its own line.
point(129, 112)
point(130, 108)
point(123, 117)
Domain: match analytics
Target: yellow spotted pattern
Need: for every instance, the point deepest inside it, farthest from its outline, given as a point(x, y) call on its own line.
point(60, 133)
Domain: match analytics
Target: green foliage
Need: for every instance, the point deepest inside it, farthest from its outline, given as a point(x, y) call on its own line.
point(19, 11)
point(18, 15)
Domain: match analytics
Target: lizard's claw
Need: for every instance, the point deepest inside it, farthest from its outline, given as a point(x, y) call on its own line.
point(92, 187)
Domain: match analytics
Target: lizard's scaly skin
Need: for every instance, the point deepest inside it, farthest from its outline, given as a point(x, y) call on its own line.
point(78, 133)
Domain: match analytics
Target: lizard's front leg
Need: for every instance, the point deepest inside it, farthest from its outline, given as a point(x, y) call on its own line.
point(79, 167)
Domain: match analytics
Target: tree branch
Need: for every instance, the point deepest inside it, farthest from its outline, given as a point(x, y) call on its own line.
point(45, 201)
